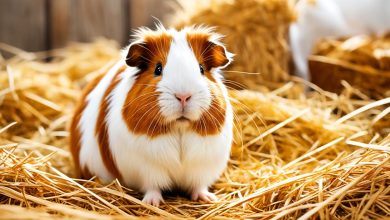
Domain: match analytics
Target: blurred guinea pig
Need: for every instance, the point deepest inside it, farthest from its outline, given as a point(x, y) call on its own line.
point(318, 19)
point(160, 118)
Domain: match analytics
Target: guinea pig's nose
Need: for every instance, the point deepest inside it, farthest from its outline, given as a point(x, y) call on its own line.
point(183, 98)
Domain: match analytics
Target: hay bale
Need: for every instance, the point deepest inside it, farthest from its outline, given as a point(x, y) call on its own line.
point(255, 30)
point(321, 155)
point(362, 61)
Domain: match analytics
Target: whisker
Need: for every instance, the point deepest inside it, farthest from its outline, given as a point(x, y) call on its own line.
point(244, 108)
point(145, 113)
point(141, 97)
point(141, 108)
point(232, 82)
point(214, 120)
point(155, 122)
point(241, 72)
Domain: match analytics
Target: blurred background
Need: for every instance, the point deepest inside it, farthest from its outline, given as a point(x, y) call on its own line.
point(36, 25)
point(327, 42)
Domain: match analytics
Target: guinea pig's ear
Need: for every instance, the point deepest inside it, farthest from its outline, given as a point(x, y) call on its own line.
point(209, 50)
point(216, 55)
point(135, 53)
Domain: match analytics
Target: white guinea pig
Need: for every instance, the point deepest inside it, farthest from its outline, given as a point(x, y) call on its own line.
point(334, 18)
point(160, 118)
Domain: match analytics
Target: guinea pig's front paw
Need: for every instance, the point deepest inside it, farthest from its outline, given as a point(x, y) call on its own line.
point(203, 195)
point(153, 197)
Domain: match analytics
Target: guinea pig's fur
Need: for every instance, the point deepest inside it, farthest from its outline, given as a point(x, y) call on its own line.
point(132, 123)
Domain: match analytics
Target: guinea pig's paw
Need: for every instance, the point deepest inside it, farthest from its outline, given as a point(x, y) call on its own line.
point(203, 195)
point(153, 197)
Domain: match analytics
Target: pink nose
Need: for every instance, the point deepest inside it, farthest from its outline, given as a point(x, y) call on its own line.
point(183, 98)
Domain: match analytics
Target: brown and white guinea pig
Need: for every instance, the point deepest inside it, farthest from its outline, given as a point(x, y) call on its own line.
point(160, 118)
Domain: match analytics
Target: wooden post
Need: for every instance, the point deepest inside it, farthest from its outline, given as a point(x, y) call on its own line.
point(58, 22)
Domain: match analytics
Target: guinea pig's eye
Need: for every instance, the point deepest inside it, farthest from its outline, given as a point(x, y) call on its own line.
point(201, 69)
point(158, 70)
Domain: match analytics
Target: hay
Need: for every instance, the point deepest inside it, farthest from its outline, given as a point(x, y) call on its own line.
point(317, 156)
point(362, 61)
point(255, 30)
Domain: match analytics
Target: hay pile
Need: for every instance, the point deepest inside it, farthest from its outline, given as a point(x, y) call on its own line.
point(256, 30)
point(294, 156)
point(362, 61)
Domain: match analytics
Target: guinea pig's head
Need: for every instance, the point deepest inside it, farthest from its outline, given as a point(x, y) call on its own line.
point(178, 72)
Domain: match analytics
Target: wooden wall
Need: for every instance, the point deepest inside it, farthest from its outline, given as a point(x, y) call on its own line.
point(35, 25)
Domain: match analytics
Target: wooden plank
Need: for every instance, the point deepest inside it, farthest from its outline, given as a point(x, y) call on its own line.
point(58, 23)
point(23, 24)
point(92, 18)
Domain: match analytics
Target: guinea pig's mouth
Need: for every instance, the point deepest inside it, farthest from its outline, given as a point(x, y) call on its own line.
point(182, 119)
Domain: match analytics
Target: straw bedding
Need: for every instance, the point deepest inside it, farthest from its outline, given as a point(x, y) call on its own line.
point(295, 155)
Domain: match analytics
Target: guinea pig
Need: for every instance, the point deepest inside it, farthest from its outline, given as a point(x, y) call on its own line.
point(334, 18)
point(160, 118)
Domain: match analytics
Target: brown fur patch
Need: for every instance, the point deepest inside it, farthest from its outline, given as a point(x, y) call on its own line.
point(101, 129)
point(75, 134)
point(207, 53)
point(141, 111)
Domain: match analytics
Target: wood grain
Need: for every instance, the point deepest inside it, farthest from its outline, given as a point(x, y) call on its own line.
point(92, 18)
point(23, 24)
